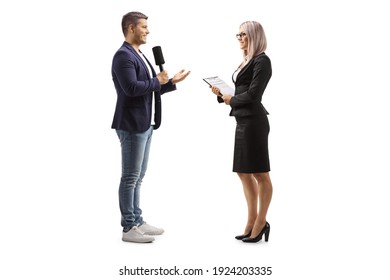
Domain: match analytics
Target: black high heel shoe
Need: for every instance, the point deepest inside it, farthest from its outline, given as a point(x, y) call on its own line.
point(240, 237)
point(266, 229)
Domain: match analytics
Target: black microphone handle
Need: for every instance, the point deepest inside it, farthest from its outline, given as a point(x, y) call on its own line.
point(161, 67)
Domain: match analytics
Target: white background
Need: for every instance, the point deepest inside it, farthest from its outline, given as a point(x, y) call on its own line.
point(60, 161)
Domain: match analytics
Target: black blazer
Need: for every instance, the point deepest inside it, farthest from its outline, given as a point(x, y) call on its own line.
point(250, 85)
point(134, 87)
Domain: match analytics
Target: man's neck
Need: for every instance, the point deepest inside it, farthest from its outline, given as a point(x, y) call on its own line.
point(134, 45)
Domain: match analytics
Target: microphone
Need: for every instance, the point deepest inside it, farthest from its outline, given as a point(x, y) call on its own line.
point(158, 57)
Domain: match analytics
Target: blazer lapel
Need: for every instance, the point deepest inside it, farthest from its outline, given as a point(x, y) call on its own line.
point(243, 70)
point(150, 65)
point(140, 60)
point(246, 67)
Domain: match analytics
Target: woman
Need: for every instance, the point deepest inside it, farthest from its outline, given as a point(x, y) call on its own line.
point(251, 159)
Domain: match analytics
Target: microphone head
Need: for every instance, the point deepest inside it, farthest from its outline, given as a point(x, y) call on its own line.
point(158, 56)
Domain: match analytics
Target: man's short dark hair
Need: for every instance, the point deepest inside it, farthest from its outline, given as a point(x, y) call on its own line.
point(131, 18)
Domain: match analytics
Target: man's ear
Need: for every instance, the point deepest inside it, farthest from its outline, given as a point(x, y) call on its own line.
point(131, 28)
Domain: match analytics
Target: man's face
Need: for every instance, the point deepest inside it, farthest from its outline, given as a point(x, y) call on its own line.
point(141, 31)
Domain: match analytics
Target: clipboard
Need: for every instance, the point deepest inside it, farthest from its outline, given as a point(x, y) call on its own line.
point(224, 88)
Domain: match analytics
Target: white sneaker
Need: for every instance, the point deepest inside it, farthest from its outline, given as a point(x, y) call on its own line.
point(150, 230)
point(135, 235)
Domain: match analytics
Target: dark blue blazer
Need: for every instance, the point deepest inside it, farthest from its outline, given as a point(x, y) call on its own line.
point(134, 88)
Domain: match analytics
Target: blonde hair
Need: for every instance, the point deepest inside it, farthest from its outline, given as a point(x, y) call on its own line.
point(257, 42)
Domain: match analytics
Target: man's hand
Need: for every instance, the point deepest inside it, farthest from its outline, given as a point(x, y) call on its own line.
point(180, 76)
point(163, 77)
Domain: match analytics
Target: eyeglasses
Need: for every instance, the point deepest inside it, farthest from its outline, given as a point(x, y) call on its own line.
point(240, 35)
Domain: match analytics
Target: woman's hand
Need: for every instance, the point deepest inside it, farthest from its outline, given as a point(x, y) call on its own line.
point(226, 99)
point(216, 91)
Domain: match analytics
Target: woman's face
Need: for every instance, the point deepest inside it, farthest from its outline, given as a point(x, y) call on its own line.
point(242, 39)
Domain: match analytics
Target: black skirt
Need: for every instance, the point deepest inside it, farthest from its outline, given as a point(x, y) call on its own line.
point(251, 145)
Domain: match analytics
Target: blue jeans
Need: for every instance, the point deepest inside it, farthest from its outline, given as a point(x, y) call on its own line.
point(135, 155)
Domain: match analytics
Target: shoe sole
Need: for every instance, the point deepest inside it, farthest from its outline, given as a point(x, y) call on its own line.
point(153, 233)
point(138, 241)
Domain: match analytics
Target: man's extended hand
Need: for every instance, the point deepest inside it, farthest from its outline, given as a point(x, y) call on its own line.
point(180, 76)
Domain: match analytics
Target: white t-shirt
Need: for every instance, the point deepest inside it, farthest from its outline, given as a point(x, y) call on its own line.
point(151, 75)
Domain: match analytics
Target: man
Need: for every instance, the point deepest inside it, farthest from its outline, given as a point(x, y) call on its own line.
point(137, 114)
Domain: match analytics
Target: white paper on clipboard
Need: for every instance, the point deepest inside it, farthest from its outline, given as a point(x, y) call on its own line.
point(224, 88)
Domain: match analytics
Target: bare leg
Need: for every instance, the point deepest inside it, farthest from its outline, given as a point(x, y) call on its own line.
point(265, 196)
point(250, 188)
